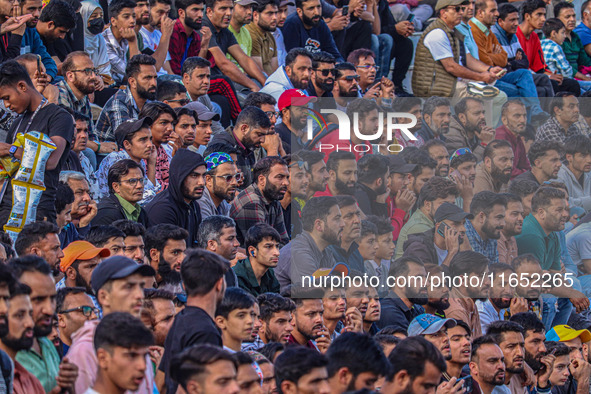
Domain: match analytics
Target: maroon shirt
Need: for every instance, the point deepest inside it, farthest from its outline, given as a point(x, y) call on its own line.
point(520, 161)
point(178, 46)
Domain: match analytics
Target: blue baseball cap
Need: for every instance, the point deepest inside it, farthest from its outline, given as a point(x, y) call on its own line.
point(117, 267)
point(428, 324)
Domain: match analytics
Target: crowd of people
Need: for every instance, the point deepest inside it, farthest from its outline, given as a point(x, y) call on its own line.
point(309, 196)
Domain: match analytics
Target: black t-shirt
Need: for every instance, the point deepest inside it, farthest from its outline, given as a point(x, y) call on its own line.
point(52, 121)
point(192, 326)
point(223, 39)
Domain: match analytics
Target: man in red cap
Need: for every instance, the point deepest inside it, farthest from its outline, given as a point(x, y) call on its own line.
point(292, 105)
point(80, 259)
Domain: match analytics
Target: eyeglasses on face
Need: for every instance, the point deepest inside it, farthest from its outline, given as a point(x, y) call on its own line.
point(350, 78)
point(87, 311)
point(457, 8)
point(88, 71)
point(228, 178)
point(369, 66)
point(272, 114)
point(182, 102)
point(327, 71)
point(132, 181)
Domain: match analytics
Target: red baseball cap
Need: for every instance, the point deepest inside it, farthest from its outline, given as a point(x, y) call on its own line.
point(295, 97)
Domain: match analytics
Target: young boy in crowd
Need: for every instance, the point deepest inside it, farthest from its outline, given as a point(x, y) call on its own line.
point(380, 265)
point(235, 317)
point(555, 33)
point(368, 245)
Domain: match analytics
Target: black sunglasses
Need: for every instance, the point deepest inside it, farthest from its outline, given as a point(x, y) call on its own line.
point(327, 71)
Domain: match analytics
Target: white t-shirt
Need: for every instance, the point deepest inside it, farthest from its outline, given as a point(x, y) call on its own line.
point(151, 40)
point(441, 254)
point(91, 391)
point(439, 46)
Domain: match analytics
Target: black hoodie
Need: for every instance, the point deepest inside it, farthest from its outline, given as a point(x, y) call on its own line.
point(169, 206)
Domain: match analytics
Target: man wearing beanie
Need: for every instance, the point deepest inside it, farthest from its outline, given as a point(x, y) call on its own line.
point(178, 204)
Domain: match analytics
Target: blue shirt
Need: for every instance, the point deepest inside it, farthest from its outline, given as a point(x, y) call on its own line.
point(584, 33)
point(469, 42)
point(487, 248)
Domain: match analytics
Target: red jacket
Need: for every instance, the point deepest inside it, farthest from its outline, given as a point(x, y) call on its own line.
point(398, 217)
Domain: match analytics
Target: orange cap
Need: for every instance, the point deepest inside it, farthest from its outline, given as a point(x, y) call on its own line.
point(81, 250)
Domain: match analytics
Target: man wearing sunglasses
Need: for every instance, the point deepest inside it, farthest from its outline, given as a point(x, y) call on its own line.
point(74, 308)
point(221, 184)
point(323, 76)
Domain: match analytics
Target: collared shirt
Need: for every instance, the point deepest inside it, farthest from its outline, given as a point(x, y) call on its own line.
point(281, 51)
point(551, 130)
point(251, 207)
point(44, 366)
point(469, 42)
point(487, 248)
point(510, 43)
point(463, 308)
point(117, 52)
point(584, 33)
point(351, 257)
point(248, 281)
point(263, 45)
point(395, 312)
point(533, 239)
point(575, 51)
point(118, 109)
point(102, 173)
point(556, 59)
point(183, 46)
point(132, 211)
point(88, 170)
point(25, 382)
point(208, 207)
point(68, 99)
point(507, 248)
point(418, 223)
point(310, 344)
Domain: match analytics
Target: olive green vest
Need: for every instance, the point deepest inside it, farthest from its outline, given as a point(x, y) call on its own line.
point(429, 77)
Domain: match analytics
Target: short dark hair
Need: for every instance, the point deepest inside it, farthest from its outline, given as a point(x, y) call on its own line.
point(421, 159)
point(509, 103)
point(121, 329)
point(311, 157)
point(357, 352)
point(194, 360)
point(7, 277)
point(437, 187)
point(481, 341)
point(372, 167)
point(257, 99)
point(405, 104)
point(211, 229)
point(157, 236)
point(484, 201)
point(60, 13)
point(100, 235)
point(32, 233)
point(316, 208)
point(134, 64)
point(334, 158)
point(194, 62)
point(340, 67)
point(253, 117)
point(466, 262)
point(130, 228)
point(355, 56)
point(558, 349)
point(182, 111)
point(524, 259)
point(367, 228)
point(63, 293)
point(12, 72)
point(167, 90)
point(552, 25)
point(257, 233)
point(155, 109)
point(530, 6)
point(577, 144)
point(510, 197)
point(201, 270)
point(544, 196)
point(433, 102)
point(271, 349)
point(498, 328)
point(362, 107)
point(523, 188)
point(117, 6)
point(529, 321)
point(383, 224)
point(119, 169)
point(411, 355)
point(263, 166)
point(184, 4)
point(293, 54)
point(271, 303)
point(234, 298)
point(462, 106)
point(260, 5)
point(540, 148)
point(63, 196)
point(492, 146)
point(506, 9)
point(148, 308)
point(29, 263)
point(322, 57)
point(168, 2)
point(296, 362)
point(401, 266)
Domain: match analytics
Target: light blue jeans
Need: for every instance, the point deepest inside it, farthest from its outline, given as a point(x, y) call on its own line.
point(555, 311)
point(520, 83)
point(381, 46)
